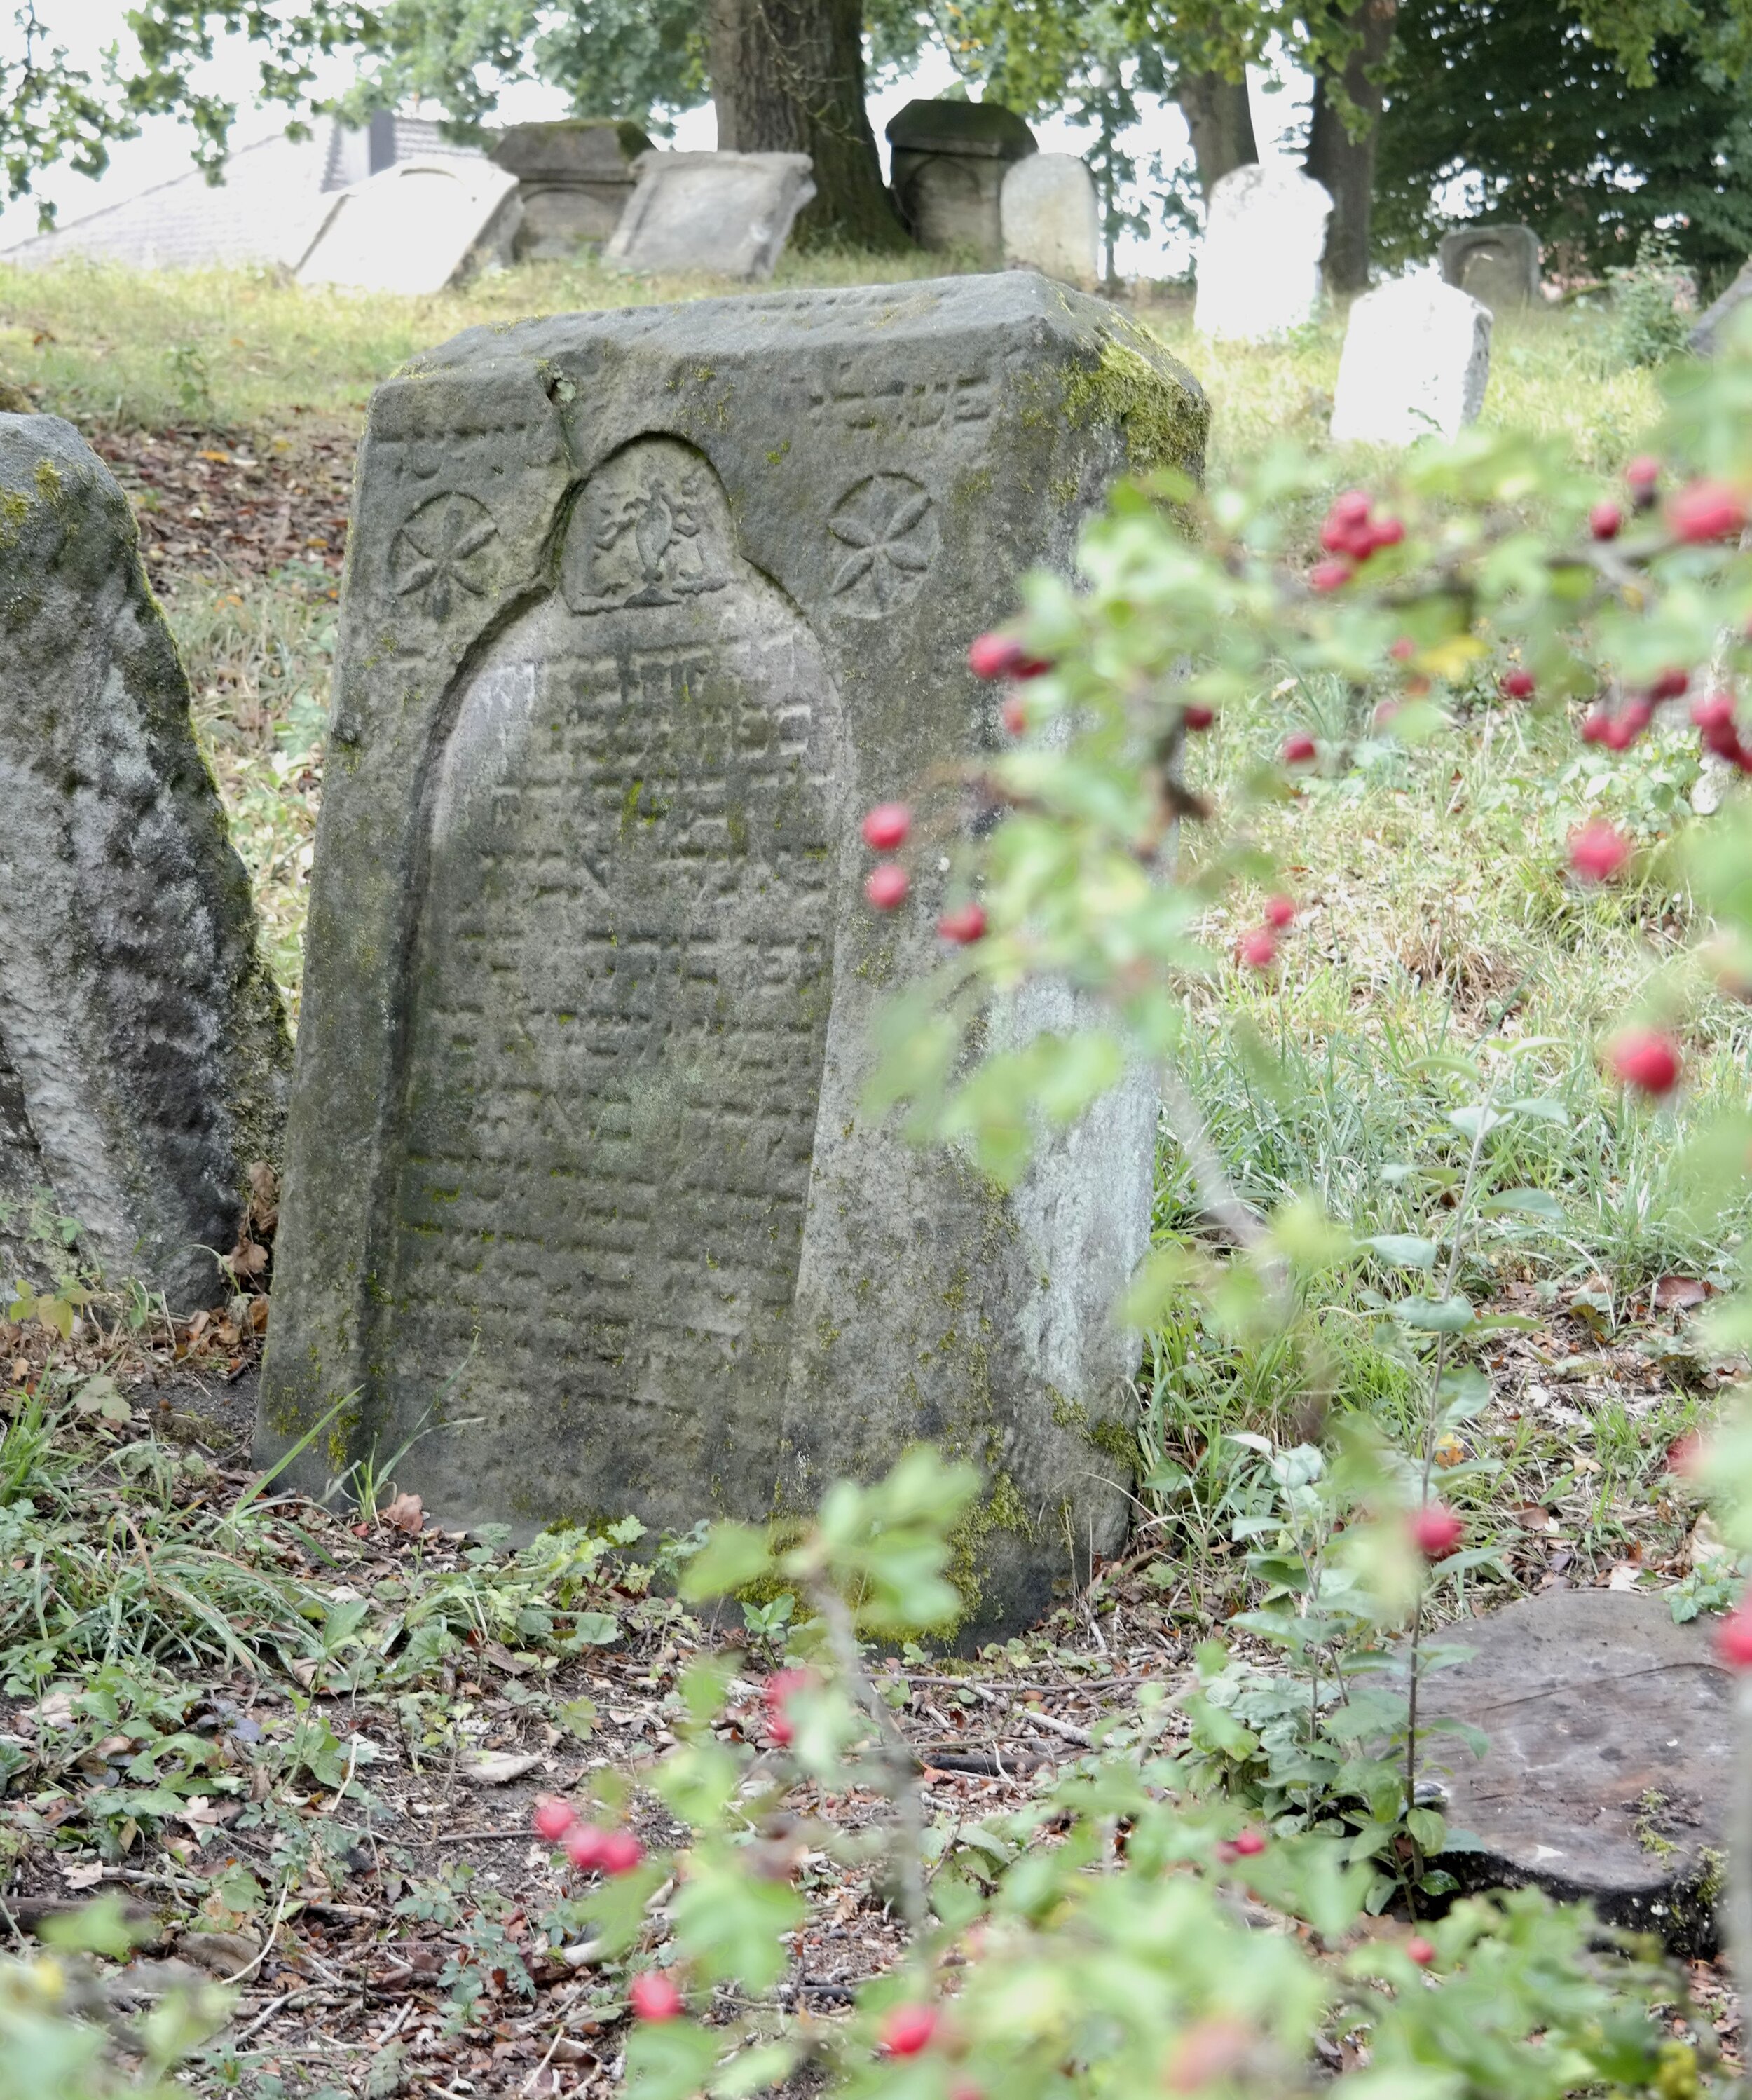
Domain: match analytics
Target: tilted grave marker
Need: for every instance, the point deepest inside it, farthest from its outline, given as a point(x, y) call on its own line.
point(644, 609)
point(574, 179)
point(416, 228)
point(142, 1053)
point(1498, 264)
point(1259, 263)
point(1415, 363)
point(730, 213)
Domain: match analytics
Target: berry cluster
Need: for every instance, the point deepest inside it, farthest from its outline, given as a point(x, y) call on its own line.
point(1258, 948)
point(589, 1847)
point(777, 1692)
point(886, 829)
point(1351, 535)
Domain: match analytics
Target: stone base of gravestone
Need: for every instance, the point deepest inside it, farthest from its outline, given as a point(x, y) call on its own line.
point(644, 609)
point(416, 228)
point(574, 179)
point(1415, 363)
point(1610, 1760)
point(1051, 218)
point(1497, 264)
point(948, 161)
point(727, 214)
point(1259, 263)
point(142, 1053)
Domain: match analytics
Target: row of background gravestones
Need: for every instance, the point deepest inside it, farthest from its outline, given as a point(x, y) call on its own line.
point(967, 178)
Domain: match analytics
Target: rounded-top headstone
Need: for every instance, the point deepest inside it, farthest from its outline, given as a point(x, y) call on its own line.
point(949, 164)
point(1259, 265)
point(1415, 361)
point(1498, 264)
point(1051, 218)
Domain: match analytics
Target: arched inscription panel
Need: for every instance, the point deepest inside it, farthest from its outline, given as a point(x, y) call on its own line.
point(618, 1008)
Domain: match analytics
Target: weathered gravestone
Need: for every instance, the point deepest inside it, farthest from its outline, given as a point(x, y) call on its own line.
point(1416, 360)
point(948, 161)
point(1609, 1759)
point(731, 213)
point(1051, 219)
point(1498, 264)
point(1706, 338)
point(1259, 265)
point(142, 1053)
point(574, 179)
point(643, 609)
point(416, 228)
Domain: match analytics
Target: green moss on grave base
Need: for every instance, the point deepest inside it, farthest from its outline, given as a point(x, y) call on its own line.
point(1164, 426)
point(999, 1509)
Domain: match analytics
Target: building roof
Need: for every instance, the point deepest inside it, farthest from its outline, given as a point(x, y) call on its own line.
point(267, 208)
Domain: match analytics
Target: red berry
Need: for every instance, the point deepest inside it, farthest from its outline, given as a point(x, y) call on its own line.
point(886, 826)
point(1606, 520)
point(653, 1995)
point(1643, 474)
point(1194, 717)
point(1671, 684)
point(1250, 1844)
point(1597, 852)
point(1733, 1638)
point(1517, 685)
point(907, 2029)
point(1435, 1530)
point(1206, 2052)
point(782, 1683)
point(1403, 650)
point(1713, 711)
point(552, 1819)
point(1015, 713)
point(1594, 729)
point(1280, 911)
point(583, 1845)
point(1351, 508)
point(994, 655)
point(1329, 576)
point(1420, 1952)
point(885, 887)
point(1298, 749)
point(1386, 533)
point(780, 1730)
point(1705, 510)
point(1258, 949)
point(965, 923)
point(619, 1852)
point(1645, 1059)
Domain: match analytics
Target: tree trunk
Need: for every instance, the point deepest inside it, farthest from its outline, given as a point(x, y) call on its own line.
point(1221, 120)
point(787, 76)
point(1346, 163)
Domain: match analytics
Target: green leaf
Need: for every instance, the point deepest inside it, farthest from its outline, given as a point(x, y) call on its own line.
point(596, 1629)
point(733, 1555)
point(98, 1927)
point(1523, 1203)
point(669, 2059)
point(1404, 1250)
point(1435, 1315)
point(732, 1922)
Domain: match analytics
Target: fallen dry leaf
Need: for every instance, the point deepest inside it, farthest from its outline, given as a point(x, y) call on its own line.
point(405, 1513)
point(495, 1767)
point(1675, 1291)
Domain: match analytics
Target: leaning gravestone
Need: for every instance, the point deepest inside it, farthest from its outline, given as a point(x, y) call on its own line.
point(644, 609)
point(949, 160)
point(1415, 361)
point(1259, 267)
point(1706, 337)
point(142, 1053)
point(1498, 264)
point(731, 213)
point(1610, 1755)
point(1051, 219)
point(574, 179)
point(416, 228)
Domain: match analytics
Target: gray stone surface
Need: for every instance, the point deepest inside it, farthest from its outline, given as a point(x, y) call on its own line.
point(730, 213)
point(1498, 264)
point(1609, 1761)
point(1415, 363)
point(1259, 263)
point(644, 609)
point(574, 179)
point(949, 164)
point(1705, 337)
point(1051, 218)
point(416, 228)
point(142, 1053)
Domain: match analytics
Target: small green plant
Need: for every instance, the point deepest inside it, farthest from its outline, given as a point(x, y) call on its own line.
point(1648, 324)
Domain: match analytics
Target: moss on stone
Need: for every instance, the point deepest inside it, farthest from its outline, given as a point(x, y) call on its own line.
point(1163, 424)
point(48, 481)
point(1000, 1508)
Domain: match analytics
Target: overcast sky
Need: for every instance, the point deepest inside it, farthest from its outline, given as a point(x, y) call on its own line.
point(87, 27)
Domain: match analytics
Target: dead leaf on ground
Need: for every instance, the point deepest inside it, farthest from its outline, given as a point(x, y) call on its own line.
point(405, 1513)
point(495, 1767)
point(1672, 1291)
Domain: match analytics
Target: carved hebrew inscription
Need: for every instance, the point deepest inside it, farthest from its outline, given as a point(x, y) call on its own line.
point(620, 997)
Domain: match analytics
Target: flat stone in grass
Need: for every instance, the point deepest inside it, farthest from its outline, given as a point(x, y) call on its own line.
point(142, 1053)
point(1259, 263)
point(1415, 363)
point(644, 610)
point(1610, 1758)
point(729, 213)
point(1498, 264)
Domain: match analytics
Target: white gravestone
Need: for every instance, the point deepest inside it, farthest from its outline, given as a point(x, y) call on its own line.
point(416, 228)
point(1259, 268)
point(728, 213)
point(1051, 220)
point(1416, 358)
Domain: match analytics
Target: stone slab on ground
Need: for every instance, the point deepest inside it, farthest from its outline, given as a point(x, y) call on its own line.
point(948, 161)
point(1415, 363)
point(1609, 1761)
point(574, 179)
point(1259, 263)
point(644, 609)
point(143, 1052)
point(416, 228)
point(1498, 264)
point(1051, 218)
point(729, 213)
